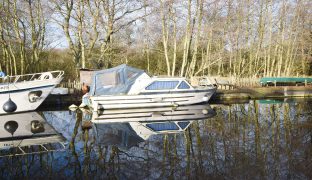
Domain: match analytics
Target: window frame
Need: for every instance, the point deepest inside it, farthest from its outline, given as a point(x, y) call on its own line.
point(165, 90)
point(189, 123)
point(146, 88)
point(190, 87)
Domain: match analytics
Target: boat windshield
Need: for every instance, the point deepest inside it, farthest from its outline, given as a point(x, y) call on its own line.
point(117, 80)
point(183, 85)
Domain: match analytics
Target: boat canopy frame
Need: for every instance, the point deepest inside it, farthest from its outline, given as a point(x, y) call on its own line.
point(117, 80)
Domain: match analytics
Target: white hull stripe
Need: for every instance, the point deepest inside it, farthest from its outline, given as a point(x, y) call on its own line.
point(25, 137)
point(178, 92)
point(25, 89)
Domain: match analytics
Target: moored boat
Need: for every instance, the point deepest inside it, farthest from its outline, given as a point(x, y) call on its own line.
point(26, 92)
point(128, 87)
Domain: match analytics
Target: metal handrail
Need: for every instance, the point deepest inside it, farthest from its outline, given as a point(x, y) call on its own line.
point(30, 77)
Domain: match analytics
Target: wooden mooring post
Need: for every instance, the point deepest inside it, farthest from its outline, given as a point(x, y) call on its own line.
point(74, 87)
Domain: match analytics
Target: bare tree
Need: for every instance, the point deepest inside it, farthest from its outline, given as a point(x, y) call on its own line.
point(165, 35)
point(116, 16)
point(203, 37)
point(199, 17)
point(75, 21)
point(38, 30)
point(187, 38)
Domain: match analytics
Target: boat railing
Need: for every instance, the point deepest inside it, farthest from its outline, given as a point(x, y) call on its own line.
point(33, 149)
point(32, 77)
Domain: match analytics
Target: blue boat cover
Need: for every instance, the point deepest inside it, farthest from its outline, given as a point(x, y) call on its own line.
point(2, 74)
point(117, 80)
point(117, 134)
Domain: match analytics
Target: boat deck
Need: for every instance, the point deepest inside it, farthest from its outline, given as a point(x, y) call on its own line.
point(30, 77)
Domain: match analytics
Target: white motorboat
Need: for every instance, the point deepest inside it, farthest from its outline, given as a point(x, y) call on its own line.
point(27, 133)
point(128, 87)
point(26, 91)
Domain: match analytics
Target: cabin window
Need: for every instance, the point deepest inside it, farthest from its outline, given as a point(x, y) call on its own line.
point(163, 126)
point(184, 124)
point(183, 85)
point(160, 85)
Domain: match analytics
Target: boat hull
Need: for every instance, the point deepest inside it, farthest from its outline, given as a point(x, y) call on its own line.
point(179, 98)
point(20, 94)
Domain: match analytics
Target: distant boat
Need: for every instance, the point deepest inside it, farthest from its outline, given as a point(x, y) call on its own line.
point(26, 92)
point(28, 133)
point(128, 87)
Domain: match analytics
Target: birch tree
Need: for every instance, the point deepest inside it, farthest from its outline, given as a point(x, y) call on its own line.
point(199, 17)
point(187, 38)
point(76, 27)
point(116, 16)
point(165, 35)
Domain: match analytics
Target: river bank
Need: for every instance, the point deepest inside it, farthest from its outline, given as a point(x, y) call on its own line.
point(264, 92)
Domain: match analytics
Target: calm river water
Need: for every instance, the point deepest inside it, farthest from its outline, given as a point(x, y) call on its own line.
point(267, 139)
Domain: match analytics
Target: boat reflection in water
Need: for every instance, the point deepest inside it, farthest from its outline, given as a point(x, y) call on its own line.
point(242, 141)
point(27, 133)
point(127, 128)
point(192, 112)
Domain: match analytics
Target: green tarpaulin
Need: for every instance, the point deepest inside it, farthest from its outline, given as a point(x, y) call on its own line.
point(267, 80)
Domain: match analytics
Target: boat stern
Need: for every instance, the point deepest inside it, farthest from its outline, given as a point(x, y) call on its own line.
point(209, 94)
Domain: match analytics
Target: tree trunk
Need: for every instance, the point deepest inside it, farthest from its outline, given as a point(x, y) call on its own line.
point(165, 36)
point(80, 32)
point(174, 44)
point(187, 38)
point(199, 17)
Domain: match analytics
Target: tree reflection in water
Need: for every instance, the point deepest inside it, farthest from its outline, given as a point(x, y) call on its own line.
point(259, 140)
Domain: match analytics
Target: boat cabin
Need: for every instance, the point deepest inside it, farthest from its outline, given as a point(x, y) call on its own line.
point(124, 79)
